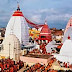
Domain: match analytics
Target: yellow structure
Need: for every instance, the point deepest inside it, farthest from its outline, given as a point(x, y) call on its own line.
point(2, 57)
point(34, 33)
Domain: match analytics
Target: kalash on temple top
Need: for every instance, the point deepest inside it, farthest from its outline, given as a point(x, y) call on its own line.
point(18, 12)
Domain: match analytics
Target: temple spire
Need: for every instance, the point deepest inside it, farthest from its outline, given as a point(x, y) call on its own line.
point(18, 7)
point(45, 22)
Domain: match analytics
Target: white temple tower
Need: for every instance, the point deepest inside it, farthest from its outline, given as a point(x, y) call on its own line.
point(11, 48)
point(68, 30)
point(65, 52)
point(18, 26)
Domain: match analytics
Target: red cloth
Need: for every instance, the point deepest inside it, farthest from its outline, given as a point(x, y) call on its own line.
point(4, 66)
point(66, 65)
point(33, 24)
point(1, 67)
point(15, 68)
point(11, 69)
point(7, 65)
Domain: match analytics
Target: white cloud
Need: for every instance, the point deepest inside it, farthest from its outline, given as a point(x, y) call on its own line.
point(61, 17)
point(36, 18)
point(51, 15)
point(51, 10)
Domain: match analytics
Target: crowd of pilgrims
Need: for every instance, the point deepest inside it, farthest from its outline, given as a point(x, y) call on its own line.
point(8, 65)
point(43, 68)
point(66, 65)
point(40, 67)
point(39, 52)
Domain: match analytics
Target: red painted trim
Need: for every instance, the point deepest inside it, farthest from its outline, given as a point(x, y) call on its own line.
point(33, 24)
point(18, 13)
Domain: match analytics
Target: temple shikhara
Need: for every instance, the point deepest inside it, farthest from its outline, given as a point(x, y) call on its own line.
point(31, 47)
point(17, 25)
point(68, 30)
point(45, 34)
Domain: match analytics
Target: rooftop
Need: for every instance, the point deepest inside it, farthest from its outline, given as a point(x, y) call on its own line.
point(38, 56)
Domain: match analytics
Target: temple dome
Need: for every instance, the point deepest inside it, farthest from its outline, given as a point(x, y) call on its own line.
point(45, 33)
point(68, 33)
point(11, 47)
point(65, 52)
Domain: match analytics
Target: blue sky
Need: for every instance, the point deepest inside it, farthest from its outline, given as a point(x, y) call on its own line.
point(56, 12)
